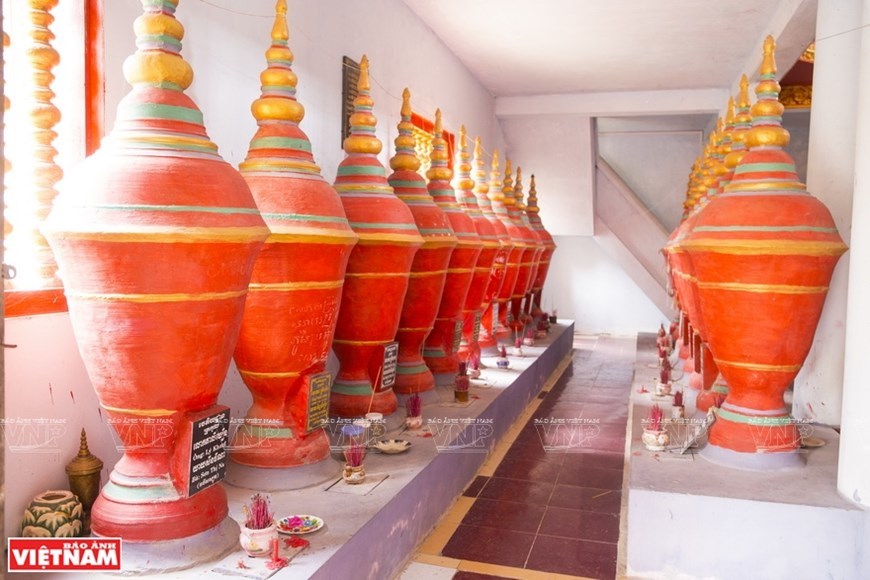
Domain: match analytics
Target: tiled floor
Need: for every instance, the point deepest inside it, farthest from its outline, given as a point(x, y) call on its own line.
point(552, 504)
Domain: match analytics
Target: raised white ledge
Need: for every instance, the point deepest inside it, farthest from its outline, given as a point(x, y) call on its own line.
point(665, 102)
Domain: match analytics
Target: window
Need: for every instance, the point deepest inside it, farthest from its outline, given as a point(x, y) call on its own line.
point(54, 86)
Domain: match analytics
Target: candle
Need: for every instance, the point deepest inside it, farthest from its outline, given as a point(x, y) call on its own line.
point(275, 555)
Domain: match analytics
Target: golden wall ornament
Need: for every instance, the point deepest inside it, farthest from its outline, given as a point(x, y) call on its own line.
point(796, 96)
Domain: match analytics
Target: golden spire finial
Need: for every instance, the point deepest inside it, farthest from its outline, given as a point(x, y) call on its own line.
point(277, 100)
point(439, 157)
point(767, 129)
point(362, 137)
point(495, 181)
point(364, 84)
point(481, 185)
point(768, 61)
point(507, 187)
point(743, 96)
point(463, 182)
point(406, 154)
point(532, 200)
point(518, 189)
point(157, 60)
point(729, 113)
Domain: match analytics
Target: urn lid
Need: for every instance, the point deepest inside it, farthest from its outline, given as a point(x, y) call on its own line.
point(372, 208)
point(442, 190)
point(287, 184)
point(410, 186)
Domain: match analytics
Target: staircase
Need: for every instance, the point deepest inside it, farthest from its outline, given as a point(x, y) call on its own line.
point(631, 235)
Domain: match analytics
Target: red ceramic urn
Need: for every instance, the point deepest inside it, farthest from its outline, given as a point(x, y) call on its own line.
point(156, 238)
point(494, 321)
point(429, 269)
point(549, 247)
point(295, 291)
point(763, 253)
point(442, 346)
point(531, 256)
point(377, 272)
point(487, 277)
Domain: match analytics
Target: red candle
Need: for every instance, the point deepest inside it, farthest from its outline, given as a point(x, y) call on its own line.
point(275, 555)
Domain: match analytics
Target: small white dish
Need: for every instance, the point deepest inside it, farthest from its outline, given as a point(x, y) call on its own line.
point(393, 446)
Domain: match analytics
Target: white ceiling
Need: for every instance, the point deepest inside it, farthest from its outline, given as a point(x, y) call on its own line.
point(520, 47)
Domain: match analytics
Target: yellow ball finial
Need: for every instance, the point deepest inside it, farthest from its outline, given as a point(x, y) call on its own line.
point(406, 154)
point(463, 181)
point(767, 129)
point(532, 200)
point(481, 185)
point(277, 100)
point(518, 189)
point(507, 187)
point(157, 60)
point(362, 137)
point(439, 157)
point(495, 181)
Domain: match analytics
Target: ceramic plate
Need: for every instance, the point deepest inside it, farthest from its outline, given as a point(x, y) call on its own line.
point(812, 442)
point(391, 446)
point(299, 524)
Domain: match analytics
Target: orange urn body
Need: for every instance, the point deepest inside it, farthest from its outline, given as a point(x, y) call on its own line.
point(442, 346)
point(493, 324)
point(156, 238)
point(549, 248)
point(763, 253)
point(487, 278)
point(295, 291)
point(377, 272)
point(429, 268)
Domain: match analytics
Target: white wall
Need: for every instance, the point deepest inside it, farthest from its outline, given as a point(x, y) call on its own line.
point(586, 285)
point(655, 165)
point(560, 151)
point(226, 51)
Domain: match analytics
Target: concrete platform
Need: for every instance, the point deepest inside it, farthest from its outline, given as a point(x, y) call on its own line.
point(691, 518)
point(372, 529)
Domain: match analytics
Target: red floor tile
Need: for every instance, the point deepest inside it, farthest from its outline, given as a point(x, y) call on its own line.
point(575, 557)
point(583, 476)
point(594, 459)
point(517, 490)
point(463, 575)
point(490, 545)
point(580, 525)
point(590, 499)
point(474, 488)
point(544, 468)
point(512, 516)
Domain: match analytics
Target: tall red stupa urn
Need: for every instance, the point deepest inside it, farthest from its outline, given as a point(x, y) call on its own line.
point(487, 277)
point(429, 268)
point(531, 256)
point(156, 237)
point(377, 272)
point(533, 213)
point(517, 274)
point(295, 291)
point(442, 346)
point(763, 253)
point(494, 323)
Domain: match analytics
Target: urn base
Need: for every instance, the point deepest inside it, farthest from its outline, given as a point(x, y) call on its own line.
point(171, 555)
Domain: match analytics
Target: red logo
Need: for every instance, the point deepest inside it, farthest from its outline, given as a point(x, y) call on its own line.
point(70, 554)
